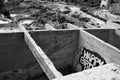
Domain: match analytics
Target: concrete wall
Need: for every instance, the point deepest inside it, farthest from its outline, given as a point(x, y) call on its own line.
point(107, 35)
point(95, 49)
point(60, 46)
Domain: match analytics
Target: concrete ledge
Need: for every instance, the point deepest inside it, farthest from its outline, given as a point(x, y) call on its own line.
point(106, 72)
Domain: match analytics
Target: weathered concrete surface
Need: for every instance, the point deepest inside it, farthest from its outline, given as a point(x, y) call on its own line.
point(107, 35)
point(60, 47)
point(106, 72)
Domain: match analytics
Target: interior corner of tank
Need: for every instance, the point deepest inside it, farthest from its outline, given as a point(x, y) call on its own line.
point(110, 36)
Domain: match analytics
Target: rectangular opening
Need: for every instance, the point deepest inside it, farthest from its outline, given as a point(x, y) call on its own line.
point(60, 46)
point(16, 57)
